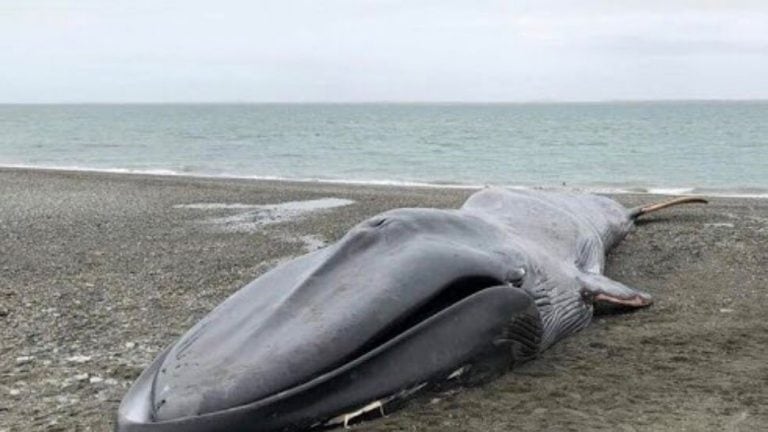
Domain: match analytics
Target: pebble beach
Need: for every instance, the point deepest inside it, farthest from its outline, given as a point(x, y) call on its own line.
point(100, 272)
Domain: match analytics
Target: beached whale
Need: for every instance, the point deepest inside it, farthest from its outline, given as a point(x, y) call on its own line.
point(406, 299)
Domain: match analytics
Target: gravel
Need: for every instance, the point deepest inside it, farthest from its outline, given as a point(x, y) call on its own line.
point(100, 272)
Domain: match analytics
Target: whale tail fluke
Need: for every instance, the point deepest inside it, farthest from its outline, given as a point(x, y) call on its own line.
point(642, 210)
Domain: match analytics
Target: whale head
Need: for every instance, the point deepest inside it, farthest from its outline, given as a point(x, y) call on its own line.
point(405, 299)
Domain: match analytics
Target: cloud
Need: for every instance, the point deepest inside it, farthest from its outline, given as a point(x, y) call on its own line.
point(356, 50)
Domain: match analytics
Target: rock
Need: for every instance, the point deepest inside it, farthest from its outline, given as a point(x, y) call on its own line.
point(126, 372)
point(95, 380)
point(14, 392)
point(24, 360)
point(81, 377)
point(130, 345)
point(79, 359)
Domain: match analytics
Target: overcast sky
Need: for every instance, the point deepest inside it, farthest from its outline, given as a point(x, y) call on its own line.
point(381, 50)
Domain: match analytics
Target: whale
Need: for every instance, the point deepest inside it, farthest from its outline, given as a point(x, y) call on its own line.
point(408, 300)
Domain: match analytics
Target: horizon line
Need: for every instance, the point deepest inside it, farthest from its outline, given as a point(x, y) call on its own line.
point(400, 102)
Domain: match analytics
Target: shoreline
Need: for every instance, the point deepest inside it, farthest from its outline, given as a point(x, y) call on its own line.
point(738, 192)
point(101, 271)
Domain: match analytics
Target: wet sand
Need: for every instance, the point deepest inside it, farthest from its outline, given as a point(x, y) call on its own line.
point(99, 272)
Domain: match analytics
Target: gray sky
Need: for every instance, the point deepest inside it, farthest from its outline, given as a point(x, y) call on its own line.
point(381, 50)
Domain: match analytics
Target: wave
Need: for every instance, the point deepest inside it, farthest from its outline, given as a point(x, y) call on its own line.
point(743, 192)
point(224, 175)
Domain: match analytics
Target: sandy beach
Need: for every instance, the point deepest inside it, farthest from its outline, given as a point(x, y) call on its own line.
point(99, 272)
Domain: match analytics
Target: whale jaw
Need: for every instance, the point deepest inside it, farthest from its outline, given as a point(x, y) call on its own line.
point(474, 339)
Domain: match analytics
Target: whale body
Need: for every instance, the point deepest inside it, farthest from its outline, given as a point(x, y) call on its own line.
point(406, 299)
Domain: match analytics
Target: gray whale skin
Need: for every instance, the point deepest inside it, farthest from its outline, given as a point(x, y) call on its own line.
point(406, 299)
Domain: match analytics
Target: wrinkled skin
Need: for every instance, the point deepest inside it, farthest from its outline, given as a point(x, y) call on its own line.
point(408, 298)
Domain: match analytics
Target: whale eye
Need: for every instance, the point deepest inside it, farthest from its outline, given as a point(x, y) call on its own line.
point(516, 277)
point(377, 222)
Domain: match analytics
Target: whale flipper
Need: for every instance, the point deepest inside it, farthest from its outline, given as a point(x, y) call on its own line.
point(604, 291)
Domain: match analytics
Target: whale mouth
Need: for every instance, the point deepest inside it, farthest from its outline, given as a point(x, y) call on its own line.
point(452, 294)
point(408, 322)
point(424, 347)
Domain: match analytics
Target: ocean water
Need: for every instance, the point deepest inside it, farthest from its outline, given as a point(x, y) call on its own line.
point(674, 147)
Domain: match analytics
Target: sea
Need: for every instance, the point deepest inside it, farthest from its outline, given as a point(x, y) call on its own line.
point(709, 148)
